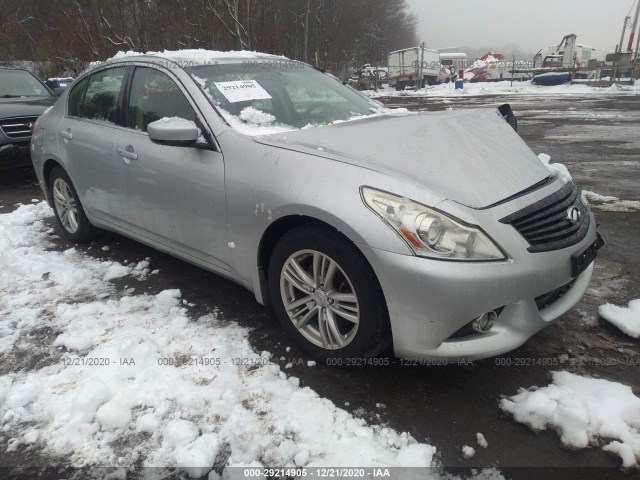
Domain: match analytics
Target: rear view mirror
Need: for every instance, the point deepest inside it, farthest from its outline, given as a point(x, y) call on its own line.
point(175, 131)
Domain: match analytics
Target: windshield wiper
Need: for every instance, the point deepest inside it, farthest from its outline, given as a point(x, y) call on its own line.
point(11, 96)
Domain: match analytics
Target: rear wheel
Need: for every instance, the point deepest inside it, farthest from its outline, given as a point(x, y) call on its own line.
point(68, 209)
point(326, 295)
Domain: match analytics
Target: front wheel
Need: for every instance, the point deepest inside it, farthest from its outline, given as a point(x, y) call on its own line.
point(326, 296)
point(68, 208)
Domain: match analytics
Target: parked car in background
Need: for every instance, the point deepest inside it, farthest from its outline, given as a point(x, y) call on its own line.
point(23, 98)
point(362, 226)
point(369, 78)
point(58, 85)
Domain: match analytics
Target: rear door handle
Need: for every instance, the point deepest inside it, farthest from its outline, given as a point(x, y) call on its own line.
point(128, 153)
point(66, 134)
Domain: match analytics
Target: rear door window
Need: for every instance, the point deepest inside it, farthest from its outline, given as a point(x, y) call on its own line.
point(101, 97)
point(154, 96)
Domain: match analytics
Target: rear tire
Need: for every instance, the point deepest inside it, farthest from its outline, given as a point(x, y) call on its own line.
point(68, 209)
point(326, 296)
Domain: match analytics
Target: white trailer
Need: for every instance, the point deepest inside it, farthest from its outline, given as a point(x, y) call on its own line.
point(416, 66)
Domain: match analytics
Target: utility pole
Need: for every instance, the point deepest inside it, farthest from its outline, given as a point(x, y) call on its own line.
point(635, 70)
point(306, 32)
point(421, 70)
point(614, 72)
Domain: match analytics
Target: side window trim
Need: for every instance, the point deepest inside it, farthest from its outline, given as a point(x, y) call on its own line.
point(125, 91)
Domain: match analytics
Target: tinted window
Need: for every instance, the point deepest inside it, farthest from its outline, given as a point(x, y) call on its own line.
point(76, 95)
point(101, 98)
point(154, 96)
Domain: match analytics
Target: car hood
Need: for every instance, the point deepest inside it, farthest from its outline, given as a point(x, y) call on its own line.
point(470, 156)
point(24, 107)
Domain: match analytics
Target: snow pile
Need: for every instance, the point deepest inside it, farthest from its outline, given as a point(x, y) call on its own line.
point(254, 116)
point(481, 440)
point(611, 204)
point(504, 87)
point(468, 452)
point(132, 379)
point(626, 319)
point(557, 169)
point(583, 411)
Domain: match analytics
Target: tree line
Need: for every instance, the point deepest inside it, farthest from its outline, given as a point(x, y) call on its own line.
point(334, 35)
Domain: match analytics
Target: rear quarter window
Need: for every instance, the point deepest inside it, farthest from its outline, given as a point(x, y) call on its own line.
point(76, 95)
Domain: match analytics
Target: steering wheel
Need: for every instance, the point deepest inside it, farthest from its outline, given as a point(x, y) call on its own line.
point(315, 106)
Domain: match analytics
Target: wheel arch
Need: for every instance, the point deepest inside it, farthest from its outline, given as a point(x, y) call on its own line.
point(275, 231)
point(47, 168)
point(284, 225)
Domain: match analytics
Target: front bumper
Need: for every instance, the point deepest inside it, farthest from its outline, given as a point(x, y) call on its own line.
point(14, 155)
point(430, 300)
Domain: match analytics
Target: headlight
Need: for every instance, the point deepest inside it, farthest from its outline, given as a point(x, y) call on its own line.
point(430, 233)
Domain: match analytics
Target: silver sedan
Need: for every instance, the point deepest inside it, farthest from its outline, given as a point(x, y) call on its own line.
point(440, 234)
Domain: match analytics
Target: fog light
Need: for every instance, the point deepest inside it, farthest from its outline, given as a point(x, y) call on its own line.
point(485, 322)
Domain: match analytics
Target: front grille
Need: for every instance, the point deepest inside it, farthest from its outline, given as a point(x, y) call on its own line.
point(547, 224)
point(18, 127)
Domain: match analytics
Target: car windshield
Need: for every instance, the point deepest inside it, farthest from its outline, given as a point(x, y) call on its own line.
point(269, 97)
point(18, 83)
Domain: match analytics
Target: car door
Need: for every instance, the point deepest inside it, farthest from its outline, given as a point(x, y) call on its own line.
point(173, 195)
point(86, 140)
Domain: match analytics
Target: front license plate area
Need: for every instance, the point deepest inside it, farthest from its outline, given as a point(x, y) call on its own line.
point(581, 260)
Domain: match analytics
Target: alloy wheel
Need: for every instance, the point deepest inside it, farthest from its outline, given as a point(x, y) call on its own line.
point(66, 205)
point(319, 299)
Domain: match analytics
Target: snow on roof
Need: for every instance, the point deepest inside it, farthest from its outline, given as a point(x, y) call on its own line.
point(193, 57)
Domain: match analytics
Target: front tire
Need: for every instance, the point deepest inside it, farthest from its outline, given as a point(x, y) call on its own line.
point(326, 295)
point(68, 209)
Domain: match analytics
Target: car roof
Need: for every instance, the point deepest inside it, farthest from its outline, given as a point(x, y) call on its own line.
point(195, 57)
point(12, 66)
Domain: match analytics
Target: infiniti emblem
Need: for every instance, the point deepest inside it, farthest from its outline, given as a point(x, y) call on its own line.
point(573, 214)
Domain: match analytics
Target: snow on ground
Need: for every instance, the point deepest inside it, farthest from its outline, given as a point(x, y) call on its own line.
point(134, 378)
point(584, 411)
point(611, 204)
point(626, 319)
point(505, 88)
point(481, 440)
point(468, 452)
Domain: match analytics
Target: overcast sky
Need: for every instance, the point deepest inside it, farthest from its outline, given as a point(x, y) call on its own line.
point(532, 24)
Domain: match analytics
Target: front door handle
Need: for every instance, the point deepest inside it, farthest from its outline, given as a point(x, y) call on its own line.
point(128, 153)
point(66, 134)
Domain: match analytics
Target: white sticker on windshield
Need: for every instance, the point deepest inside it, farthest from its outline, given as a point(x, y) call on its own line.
point(242, 90)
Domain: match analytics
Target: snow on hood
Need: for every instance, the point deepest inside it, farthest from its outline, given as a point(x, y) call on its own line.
point(470, 156)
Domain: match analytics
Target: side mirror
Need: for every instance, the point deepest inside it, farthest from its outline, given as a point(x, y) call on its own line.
point(508, 115)
point(58, 91)
point(175, 131)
